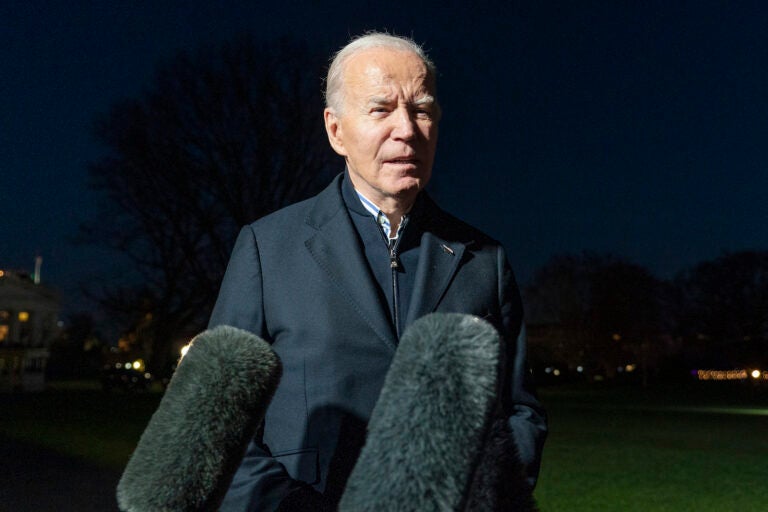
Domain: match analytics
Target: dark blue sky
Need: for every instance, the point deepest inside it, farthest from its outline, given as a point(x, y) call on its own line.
point(639, 129)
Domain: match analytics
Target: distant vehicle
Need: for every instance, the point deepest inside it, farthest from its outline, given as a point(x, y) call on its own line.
point(125, 378)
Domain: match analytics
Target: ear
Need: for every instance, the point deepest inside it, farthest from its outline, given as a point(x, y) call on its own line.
point(334, 130)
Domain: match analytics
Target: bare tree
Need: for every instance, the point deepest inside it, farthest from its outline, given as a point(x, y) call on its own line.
point(222, 137)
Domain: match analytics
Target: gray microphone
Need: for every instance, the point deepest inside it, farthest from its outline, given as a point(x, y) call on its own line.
point(437, 438)
point(195, 440)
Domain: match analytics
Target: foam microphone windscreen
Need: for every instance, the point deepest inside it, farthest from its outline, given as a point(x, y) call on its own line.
point(426, 433)
point(195, 440)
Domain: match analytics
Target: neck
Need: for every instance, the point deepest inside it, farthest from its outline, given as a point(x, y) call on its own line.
point(394, 207)
point(395, 213)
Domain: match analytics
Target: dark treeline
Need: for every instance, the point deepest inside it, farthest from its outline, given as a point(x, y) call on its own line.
point(599, 315)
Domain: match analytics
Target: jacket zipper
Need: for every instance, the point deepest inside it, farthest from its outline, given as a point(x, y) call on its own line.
point(394, 264)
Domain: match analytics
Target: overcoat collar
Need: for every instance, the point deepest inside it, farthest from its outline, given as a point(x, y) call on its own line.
point(441, 253)
point(335, 247)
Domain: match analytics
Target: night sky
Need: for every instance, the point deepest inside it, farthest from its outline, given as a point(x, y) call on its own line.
point(639, 129)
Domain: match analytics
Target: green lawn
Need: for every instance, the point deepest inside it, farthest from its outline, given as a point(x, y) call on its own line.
point(671, 449)
point(82, 421)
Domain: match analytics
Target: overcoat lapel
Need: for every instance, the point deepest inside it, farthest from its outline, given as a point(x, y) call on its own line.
point(438, 262)
point(335, 248)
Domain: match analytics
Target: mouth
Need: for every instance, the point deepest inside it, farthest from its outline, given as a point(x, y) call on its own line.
point(402, 160)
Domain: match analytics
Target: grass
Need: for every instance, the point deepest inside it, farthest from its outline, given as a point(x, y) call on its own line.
point(610, 449)
point(81, 421)
point(673, 450)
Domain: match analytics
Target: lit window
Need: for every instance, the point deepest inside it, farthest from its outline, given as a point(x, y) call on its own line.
point(23, 316)
point(3, 332)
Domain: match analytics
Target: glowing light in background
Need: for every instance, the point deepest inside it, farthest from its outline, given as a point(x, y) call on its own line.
point(736, 374)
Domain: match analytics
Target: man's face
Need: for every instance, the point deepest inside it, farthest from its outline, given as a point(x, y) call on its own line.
point(387, 129)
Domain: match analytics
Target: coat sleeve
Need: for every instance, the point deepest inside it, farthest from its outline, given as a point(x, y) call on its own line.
point(527, 418)
point(260, 482)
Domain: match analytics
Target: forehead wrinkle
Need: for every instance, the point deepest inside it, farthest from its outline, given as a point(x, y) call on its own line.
point(374, 82)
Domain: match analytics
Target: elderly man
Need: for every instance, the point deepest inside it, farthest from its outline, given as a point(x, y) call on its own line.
point(332, 282)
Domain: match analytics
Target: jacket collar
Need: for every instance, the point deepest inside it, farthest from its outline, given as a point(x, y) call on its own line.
point(335, 247)
point(441, 253)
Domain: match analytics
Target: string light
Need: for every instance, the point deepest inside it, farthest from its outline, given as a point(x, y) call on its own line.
point(736, 374)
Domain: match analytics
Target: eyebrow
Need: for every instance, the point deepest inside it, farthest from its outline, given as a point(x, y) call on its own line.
point(379, 100)
point(427, 99)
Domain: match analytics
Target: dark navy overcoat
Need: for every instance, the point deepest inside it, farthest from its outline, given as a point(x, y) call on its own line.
point(299, 279)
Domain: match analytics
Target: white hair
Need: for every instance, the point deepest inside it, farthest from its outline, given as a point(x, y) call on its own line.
point(334, 90)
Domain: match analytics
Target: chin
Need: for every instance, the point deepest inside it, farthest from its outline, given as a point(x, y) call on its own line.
point(407, 186)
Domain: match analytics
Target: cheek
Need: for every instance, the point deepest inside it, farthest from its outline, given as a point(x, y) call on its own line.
point(429, 132)
point(367, 142)
point(431, 138)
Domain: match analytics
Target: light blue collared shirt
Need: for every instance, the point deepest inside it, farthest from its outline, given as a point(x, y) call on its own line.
point(381, 217)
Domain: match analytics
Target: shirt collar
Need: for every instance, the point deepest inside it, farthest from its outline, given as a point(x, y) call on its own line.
point(357, 202)
point(381, 218)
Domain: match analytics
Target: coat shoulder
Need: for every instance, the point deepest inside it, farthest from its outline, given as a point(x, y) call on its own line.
point(309, 212)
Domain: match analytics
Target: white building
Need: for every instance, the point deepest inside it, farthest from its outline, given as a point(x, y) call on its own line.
point(29, 314)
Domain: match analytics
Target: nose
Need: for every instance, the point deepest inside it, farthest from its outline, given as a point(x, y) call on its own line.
point(404, 124)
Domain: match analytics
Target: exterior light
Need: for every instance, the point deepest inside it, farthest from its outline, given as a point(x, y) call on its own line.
point(128, 366)
point(755, 374)
point(723, 374)
point(616, 337)
point(579, 368)
point(556, 372)
point(630, 367)
point(23, 316)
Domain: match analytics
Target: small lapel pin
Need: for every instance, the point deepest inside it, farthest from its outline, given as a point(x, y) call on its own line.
point(447, 249)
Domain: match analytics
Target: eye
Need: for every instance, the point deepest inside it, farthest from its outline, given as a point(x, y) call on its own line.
point(423, 113)
point(379, 111)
